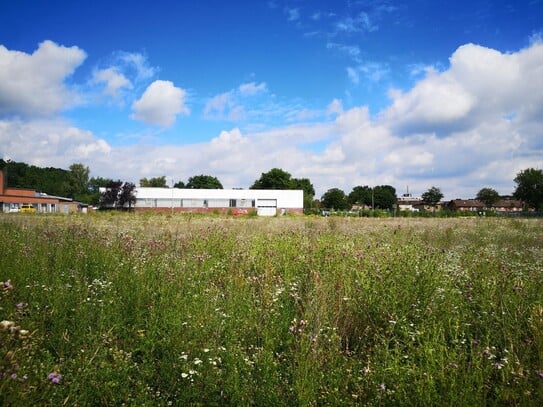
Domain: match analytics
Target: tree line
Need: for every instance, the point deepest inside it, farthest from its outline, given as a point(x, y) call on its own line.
point(76, 183)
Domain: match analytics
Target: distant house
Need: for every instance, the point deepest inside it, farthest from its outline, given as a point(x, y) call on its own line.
point(265, 202)
point(407, 202)
point(466, 205)
point(508, 205)
point(503, 206)
point(12, 199)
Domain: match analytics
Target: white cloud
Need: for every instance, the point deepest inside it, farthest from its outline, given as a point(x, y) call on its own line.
point(371, 71)
point(50, 143)
point(252, 88)
point(160, 104)
point(34, 84)
point(113, 80)
point(472, 125)
point(335, 107)
point(230, 105)
point(481, 84)
point(222, 107)
point(360, 23)
point(139, 63)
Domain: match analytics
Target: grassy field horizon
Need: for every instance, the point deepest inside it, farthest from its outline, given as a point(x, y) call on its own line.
point(113, 309)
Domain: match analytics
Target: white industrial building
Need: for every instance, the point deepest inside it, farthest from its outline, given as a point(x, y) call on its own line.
point(265, 202)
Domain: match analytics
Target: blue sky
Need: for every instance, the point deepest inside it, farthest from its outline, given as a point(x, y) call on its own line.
point(346, 93)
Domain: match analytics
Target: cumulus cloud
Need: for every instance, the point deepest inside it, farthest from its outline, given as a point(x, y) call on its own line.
point(52, 142)
point(160, 104)
point(113, 80)
point(121, 73)
point(474, 124)
point(480, 84)
point(34, 84)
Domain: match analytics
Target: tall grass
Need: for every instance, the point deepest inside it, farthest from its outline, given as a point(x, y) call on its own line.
point(180, 310)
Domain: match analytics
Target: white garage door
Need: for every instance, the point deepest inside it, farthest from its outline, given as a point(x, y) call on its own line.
point(267, 207)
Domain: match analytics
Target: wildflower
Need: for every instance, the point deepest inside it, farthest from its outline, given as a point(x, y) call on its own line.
point(23, 333)
point(54, 377)
point(5, 325)
point(13, 376)
point(6, 285)
point(540, 373)
point(474, 342)
point(184, 375)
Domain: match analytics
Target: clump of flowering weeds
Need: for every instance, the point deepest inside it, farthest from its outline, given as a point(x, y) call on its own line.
point(14, 339)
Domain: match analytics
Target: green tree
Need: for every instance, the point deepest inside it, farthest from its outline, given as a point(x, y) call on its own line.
point(360, 195)
point(432, 196)
point(79, 182)
point(109, 197)
point(530, 187)
point(488, 196)
point(126, 196)
point(156, 182)
point(335, 198)
point(309, 190)
point(381, 196)
point(203, 182)
point(179, 184)
point(117, 195)
point(384, 197)
point(275, 178)
point(95, 183)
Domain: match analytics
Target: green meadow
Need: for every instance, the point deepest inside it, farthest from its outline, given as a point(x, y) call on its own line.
point(139, 309)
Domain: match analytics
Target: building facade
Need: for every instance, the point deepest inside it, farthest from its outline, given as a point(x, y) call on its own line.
point(12, 199)
point(265, 202)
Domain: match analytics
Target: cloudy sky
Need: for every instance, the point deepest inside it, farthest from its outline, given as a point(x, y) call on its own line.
point(408, 93)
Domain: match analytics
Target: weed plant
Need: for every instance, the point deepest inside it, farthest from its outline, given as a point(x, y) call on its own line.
point(124, 309)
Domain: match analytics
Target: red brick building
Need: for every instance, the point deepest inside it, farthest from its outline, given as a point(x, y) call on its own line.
point(11, 199)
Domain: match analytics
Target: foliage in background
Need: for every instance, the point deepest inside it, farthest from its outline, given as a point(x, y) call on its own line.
point(277, 178)
point(203, 182)
point(432, 196)
point(336, 199)
point(530, 187)
point(73, 183)
point(156, 182)
point(118, 195)
point(488, 196)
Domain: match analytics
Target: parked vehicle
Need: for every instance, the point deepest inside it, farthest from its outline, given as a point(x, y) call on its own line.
point(28, 208)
